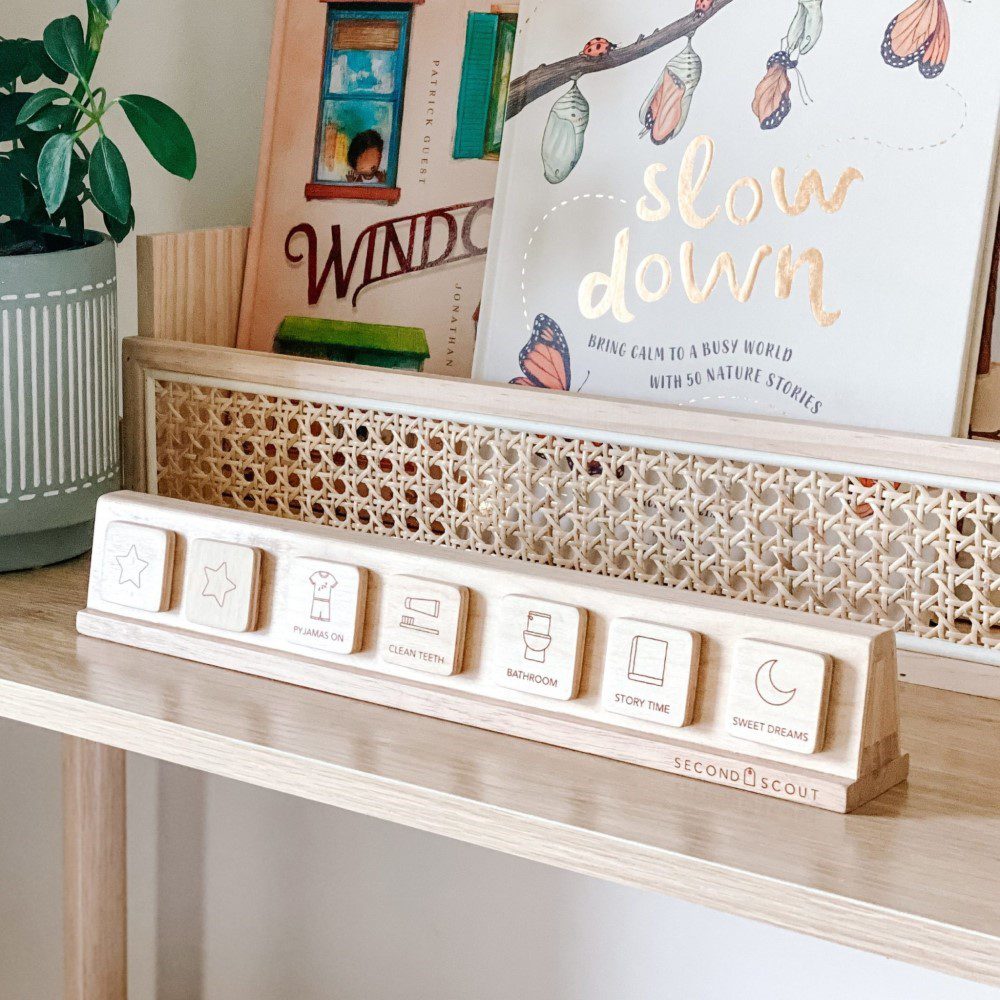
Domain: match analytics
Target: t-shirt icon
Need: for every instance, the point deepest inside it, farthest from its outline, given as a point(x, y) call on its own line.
point(323, 584)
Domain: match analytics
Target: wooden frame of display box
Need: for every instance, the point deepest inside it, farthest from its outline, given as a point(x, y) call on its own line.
point(887, 528)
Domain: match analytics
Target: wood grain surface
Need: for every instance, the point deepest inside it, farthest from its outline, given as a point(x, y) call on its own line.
point(94, 871)
point(190, 284)
point(912, 875)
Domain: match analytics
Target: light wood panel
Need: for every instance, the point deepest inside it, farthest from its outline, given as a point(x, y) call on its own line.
point(522, 650)
point(94, 870)
point(950, 459)
point(190, 285)
point(911, 876)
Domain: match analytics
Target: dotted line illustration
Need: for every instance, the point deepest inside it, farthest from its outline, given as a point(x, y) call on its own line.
point(531, 240)
point(904, 149)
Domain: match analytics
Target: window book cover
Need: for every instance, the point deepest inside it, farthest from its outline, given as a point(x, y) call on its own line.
point(378, 168)
point(782, 207)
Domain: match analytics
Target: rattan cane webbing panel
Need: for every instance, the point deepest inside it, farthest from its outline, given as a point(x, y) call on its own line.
point(918, 558)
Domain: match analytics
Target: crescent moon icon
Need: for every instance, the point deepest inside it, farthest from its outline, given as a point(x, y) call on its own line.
point(768, 690)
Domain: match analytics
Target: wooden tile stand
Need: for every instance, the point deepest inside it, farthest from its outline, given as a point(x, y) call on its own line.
point(515, 648)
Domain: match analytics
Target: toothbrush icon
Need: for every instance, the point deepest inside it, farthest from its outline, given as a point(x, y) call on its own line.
point(423, 608)
point(411, 623)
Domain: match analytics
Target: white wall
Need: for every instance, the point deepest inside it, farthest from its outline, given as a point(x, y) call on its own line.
point(239, 894)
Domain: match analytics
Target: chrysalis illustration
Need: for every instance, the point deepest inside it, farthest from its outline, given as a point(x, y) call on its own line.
point(772, 101)
point(562, 142)
point(665, 110)
point(806, 27)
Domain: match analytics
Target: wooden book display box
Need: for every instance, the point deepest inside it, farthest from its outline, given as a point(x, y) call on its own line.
point(765, 700)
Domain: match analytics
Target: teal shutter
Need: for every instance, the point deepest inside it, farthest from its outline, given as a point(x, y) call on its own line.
point(477, 84)
point(501, 84)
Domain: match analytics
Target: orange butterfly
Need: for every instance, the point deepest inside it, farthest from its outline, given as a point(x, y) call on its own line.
point(921, 33)
point(545, 358)
point(772, 101)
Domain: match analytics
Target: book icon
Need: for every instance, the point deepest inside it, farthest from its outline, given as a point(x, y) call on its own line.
point(647, 663)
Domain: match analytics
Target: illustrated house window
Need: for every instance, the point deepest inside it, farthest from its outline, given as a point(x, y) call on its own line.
point(361, 104)
point(482, 101)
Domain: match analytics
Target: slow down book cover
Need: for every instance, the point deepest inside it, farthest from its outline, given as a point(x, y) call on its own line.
point(762, 207)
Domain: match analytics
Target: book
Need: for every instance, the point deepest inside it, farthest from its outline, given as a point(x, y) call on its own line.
point(378, 166)
point(769, 208)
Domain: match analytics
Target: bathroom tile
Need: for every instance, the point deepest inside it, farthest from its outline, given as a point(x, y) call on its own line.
point(540, 647)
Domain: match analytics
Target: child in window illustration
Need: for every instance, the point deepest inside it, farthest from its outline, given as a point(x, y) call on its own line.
point(365, 157)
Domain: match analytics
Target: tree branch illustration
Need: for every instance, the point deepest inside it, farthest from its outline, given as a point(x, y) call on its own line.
point(544, 79)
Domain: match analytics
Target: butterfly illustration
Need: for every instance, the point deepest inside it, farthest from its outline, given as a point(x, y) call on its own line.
point(921, 33)
point(772, 101)
point(544, 359)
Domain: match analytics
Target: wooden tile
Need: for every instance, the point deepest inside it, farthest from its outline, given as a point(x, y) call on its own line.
point(222, 585)
point(778, 696)
point(651, 672)
point(321, 606)
point(423, 625)
point(138, 566)
point(541, 647)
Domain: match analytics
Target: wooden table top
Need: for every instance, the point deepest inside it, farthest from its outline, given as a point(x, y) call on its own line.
point(914, 875)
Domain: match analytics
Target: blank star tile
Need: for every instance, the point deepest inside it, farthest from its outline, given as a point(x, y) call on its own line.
point(137, 566)
point(222, 585)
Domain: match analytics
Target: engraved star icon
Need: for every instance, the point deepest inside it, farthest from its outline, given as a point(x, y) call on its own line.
point(217, 584)
point(130, 568)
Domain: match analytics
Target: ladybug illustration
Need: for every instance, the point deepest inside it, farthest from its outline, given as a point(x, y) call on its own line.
point(598, 47)
point(702, 7)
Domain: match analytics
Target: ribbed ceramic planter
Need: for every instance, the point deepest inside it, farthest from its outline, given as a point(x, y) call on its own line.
point(58, 400)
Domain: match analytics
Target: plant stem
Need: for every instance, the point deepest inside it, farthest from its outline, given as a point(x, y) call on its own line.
point(97, 24)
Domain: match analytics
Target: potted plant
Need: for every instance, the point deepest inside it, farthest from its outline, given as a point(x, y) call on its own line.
point(59, 169)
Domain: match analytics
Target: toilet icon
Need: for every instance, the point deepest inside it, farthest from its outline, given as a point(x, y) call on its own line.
point(537, 637)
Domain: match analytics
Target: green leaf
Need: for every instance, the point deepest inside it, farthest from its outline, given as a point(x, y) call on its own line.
point(15, 55)
point(109, 181)
point(163, 132)
point(118, 230)
point(25, 164)
point(37, 101)
point(53, 169)
point(106, 7)
point(11, 190)
point(71, 215)
point(64, 42)
point(44, 65)
point(52, 119)
point(10, 108)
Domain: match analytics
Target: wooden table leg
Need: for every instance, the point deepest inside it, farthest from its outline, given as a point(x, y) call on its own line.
point(94, 871)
